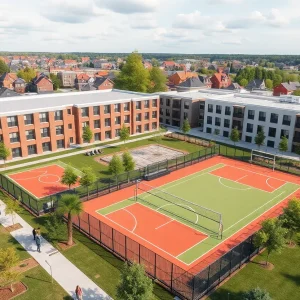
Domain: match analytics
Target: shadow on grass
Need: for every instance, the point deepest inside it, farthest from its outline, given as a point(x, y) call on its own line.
point(68, 298)
point(294, 278)
point(36, 278)
point(224, 294)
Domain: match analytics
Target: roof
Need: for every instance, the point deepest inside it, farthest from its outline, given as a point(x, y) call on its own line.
point(193, 82)
point(83, 76)
point(169, 63)
point(5, 92)
point(220, 76)
point(39, 78)
point(20, 81)
point(8, 76)
point(234, 86)
point(88, 87)
point(291, 86)
point(55, 101)
point(255, 84)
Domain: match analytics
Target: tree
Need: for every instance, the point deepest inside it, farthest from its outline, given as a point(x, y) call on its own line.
point(157, 81)
point(185, 128)
point(128, 161)
point(115, 165)
point(296, 93)
point(217, 131)
point(260, 138)
point(56, 229)
point(88, 178)
point(284, 144)
point(3, 67)
point(133, 76)
point(271, 236)
point(4, 152)
point(291, 218)
point(69, 177)
point(235, 135)
point(297, 150)
point(269, 84)
point(256, 294)
point(258, 73)
point(8, 259)
point(124, 133)
point(27, 74)
point(87, 134)
point(71, 205)
point(12, 208)
point(243, 82)
point(56, 81)
point(134, 284)
point(277, 80)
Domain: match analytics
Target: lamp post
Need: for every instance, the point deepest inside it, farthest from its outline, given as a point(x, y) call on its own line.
point(50, 270)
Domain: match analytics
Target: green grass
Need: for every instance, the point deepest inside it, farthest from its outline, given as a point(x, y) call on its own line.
point(282, 282)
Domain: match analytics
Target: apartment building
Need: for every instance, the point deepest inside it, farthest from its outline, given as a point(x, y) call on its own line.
point(67, 78)
point(31, 125)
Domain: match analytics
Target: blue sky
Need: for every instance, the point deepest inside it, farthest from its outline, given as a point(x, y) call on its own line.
point(171, 26)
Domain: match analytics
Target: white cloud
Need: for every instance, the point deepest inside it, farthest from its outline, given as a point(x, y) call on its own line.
point(225, 1)
point(142, 21)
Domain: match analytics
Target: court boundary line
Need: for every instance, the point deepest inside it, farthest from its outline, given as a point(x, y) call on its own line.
point(135, 220)
point(229, 187)
point(97, 211)
point(171, 220)
point(207, 236)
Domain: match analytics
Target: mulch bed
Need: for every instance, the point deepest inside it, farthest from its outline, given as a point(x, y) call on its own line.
point(64, 246)
point(269, 266)
point(26, 265)
point(14, 227)
point(6, 293)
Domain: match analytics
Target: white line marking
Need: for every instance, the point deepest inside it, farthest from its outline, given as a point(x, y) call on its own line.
point(49, 182)
point(98, 211)
point(165, 224)
point(207, 236)
point(135, 220)
point(233, 188)
point(267, 182)
point(29, 178)
point(240, 178)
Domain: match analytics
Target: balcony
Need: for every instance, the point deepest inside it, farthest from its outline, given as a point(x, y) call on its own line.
point(176, 115)
point(238, 115)
point(297, 125)
point(296, 139)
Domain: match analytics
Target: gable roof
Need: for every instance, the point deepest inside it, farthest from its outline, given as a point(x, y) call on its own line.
point(8, 76)
point(39, 78)
point(291, 86)
point(256, 84)
point(220, 76)
point(5, 92)
point(20, 81)
point(83, 76)
point(99, 81)
point(88, 87)
point(234, 86)
point(192, 82)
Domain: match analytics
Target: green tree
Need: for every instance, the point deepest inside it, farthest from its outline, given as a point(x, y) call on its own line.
point(296, 93)
point(271, 236)
point(27, 74)
point(69, 177)
point(186, 127)
point(258, 73)
point(56, 81)
point(71, 205)
point(124, 133)
point(291, 218)
point(87, 134)
point(217, 131)
point(3, 67)
point(284, 144)
point(155, 62)
point(256, 294)
point(4, 152)
point(297, 150)
point(277, 80)
point(243, 82)
point(115, 165)
point(260, 138)
point(134, 284)
point(133, 76)
point(88, 178)
point(128, 161)
point(12, 208)
point(56, 229)
point(157, 81)
point(235, 135)
point(269, 84)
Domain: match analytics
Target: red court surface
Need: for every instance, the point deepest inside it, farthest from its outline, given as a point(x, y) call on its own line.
point(167, 234)
point(41, 182)
point(92, 206)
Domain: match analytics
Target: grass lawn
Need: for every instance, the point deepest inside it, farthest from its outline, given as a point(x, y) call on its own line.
point(37, 280)
point(282, 282)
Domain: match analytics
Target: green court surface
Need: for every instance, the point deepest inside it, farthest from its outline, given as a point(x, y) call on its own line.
point(239, 204)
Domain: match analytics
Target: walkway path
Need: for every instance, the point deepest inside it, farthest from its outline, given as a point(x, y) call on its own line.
point(64, 272)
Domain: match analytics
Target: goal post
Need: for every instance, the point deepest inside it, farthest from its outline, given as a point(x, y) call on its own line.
point(263, 158)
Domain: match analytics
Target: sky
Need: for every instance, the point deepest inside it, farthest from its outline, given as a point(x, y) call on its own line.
point(156, 26)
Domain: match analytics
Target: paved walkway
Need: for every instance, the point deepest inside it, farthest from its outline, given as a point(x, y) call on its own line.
point(42, 160)
point(64, 272)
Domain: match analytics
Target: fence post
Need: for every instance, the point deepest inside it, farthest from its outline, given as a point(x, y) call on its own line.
point(208, 277)
point(112, 240)
point(97, 188)
point(125, 247)
point(193, 287)
point(89, 224)
point(172, 276)
point(155, 264)
point(100, 235)
point(139, 253)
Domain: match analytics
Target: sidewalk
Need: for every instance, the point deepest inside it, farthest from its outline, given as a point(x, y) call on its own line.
point(64, 272)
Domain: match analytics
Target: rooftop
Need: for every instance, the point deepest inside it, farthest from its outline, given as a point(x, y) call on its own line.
point(47, 102)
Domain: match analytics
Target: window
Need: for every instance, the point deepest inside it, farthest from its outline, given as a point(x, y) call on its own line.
point(168, 102)
point(45, 132)
point(138, 128)
point(146, 116)
point(270, 144)
point(274, 118)
point(126, 119)
point(46, 146)
point(202, 105)
point(59, 130)
point(107, 135)
point(286, 120)
point(14, 137)
point(60, 144)
point(71, 140)
point(97, 136)
point(28, 119)
point(249, 128)
point(218, 109)
point(284, 133)
point(226, 123)
point(69, 126)
point(31, 149)
point(146, 127)
point(138, 105)
point(154, 126)
point(154, 103)
point(251, 114)
point(12, 121)
point(85, 124)
point(85, 112)
point(117, 132)
point(208, 130)
point(168, 121)
point(96, 124)
point(117, 120)
point(117, 107)
point(168, 113)
point(30, 135)
point(154, 114)
point(226, 133)
point(16, 152)
point(185, 115)
point(217, 122)
point(44, 117)
point(227, 110)
point(58, 115)
point(146, 104)
point(96, 110)
point(262, 116)
point(248, 139)
point(138, 117)
point(238, 112)
point(107, 109)
point(126, 106)
point(209, 120)
point(272, 132)
point(107, 122)
point(186, 105)
point(260, 128)
point(161, 101)
point(69, 111)
point(210, 108)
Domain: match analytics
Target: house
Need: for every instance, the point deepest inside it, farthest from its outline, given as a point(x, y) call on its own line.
point(82, 79)
point(67, 78)
point(205, 80)
point(102, 83)
point(88, 87)
point(70, 62)
point(85, 59)
point(147, 65)
point(256, 84)
point(286, 88)
point(234, 87)
point(7, 80)
point(193, 83)
point(169, 65)
point(220, 80)
point(5, 92)
point(19, 86)
point(101, 74)
point(41, 84)
point(180, 76)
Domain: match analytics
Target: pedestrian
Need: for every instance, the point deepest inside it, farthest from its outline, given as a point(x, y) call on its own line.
point(38, 242)
point(34, 233)
point(78, 292)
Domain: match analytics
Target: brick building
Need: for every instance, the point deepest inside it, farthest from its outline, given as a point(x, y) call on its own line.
point(31, 125)
point(220, 80)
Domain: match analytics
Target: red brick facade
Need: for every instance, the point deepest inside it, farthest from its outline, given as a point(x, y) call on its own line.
point(281, 90)
point(220, 80)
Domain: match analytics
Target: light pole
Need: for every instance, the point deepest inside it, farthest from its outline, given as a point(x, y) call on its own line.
point(50, 270)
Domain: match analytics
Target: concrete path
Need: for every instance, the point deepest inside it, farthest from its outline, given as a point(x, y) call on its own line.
point(63, 271)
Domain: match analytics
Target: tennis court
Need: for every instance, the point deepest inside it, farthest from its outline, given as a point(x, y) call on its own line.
point(199, 211)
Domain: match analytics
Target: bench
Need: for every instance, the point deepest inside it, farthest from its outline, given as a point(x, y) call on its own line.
point(156, 174)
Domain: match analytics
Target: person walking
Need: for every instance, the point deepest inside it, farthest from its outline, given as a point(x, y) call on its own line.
point(34, 233)
point(78, 292)
point(38, 242)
